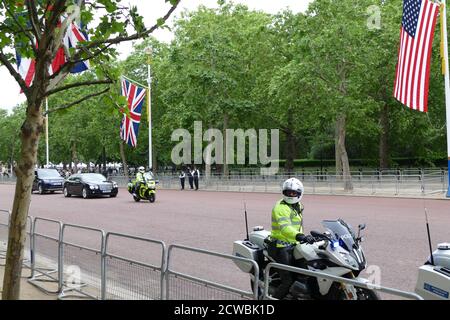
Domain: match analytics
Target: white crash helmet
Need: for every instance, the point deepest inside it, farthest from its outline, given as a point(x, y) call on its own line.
point(293, 191)
point(141, 169)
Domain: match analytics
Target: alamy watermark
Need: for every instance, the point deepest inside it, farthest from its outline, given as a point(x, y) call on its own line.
point(234, 145)
point(73, 274)
point(374, 20)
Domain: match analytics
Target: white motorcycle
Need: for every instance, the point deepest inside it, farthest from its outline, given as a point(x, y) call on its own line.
point(336, 252)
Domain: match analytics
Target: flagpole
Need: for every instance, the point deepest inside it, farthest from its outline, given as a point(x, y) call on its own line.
point(447, 86)
point(149, 52)
point(46, 132)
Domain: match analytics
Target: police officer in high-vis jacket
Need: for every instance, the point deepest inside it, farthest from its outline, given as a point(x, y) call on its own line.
point(287, 231)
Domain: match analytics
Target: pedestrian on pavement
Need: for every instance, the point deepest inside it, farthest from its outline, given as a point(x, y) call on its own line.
point(190, 177)
point(182, 177)
point(196, 175)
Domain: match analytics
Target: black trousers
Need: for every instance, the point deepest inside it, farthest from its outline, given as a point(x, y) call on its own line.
point(182, 180)
point(196, 183)
point(283, 256)
point(191, 181)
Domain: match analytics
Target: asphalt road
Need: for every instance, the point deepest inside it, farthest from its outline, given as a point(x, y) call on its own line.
point(395, 237)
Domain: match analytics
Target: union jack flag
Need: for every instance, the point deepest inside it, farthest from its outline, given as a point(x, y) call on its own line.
point(129, 128)
point(74, 35)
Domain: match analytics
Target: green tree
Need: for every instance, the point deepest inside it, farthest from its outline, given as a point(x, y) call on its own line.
point(25, 25)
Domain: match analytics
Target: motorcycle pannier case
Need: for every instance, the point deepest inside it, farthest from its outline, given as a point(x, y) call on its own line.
point(248, 250)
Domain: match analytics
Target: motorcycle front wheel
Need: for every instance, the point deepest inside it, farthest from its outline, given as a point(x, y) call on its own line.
point(274, 283)
point(151, 198)
point(136, 199)
point(366, 294)
point(336, 293)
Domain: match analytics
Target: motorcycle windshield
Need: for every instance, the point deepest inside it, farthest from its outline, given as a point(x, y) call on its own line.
point(149, 176)
point(341, 232)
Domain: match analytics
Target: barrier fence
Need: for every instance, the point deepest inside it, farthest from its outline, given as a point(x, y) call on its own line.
point(4, 223)
point(182, 286)
point(148, 278)
point(45, 255)
point(323, 276)
point(5, 217)
point(401, 182)
point(81, 271)
point(75, 261)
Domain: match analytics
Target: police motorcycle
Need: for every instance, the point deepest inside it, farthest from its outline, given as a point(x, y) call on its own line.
point(147, 189)
point(433, 281)
point(336, 252)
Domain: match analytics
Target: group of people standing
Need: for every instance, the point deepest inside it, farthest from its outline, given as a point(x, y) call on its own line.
point(193, 177)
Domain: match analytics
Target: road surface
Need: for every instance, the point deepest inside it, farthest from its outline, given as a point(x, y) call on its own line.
point(395, 237)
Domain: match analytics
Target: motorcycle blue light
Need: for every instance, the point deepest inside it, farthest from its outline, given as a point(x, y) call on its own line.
point(334, 244)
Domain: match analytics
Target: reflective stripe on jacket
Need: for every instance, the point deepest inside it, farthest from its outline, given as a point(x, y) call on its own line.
point(140, 177)
point(287, 222)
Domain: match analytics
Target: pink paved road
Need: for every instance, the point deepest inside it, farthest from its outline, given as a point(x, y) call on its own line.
point(396, 239)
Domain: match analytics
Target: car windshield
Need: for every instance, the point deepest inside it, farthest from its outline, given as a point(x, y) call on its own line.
point(149, 176)
point(94, 178)
point(341, 232)
point(48, 174)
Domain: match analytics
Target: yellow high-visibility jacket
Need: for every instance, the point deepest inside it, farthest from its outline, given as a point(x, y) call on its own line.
point(287, 222)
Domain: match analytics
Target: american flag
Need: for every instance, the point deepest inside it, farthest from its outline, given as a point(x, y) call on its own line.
point(414, 54)
point(129, 128)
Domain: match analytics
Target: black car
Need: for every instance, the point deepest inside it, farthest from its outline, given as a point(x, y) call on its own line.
point(89, 185)
point(47, 180)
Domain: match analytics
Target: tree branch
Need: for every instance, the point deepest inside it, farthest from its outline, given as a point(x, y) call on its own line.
point(90, 96)
point(22, 29)
point(34, 19)
point(78, 84)
point(65, 69)
point(14, 73)
point(135, 36)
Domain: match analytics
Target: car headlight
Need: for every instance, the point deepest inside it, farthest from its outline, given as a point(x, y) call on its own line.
point(93, 187)
point(115, 185)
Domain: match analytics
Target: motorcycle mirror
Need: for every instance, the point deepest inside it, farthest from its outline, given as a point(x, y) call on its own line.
point(360, 228)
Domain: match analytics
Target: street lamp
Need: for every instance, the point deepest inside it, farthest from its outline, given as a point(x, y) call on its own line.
point(149, 52)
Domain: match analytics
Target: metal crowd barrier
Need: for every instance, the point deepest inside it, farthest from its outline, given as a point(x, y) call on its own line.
point(45, 255)
point(27, 262)
point(201, 288)
point(80, 267)
point(126, 278)
point(59, 267)
point(321, 275)
point(5, 216)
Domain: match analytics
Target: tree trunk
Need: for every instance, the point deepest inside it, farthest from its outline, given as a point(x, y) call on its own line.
point(154, 161)
point(124, 159)
point(342, 152)
point(30, 134)
point(208, 157)
point(337, 153)
point(12, 154)
point(74, 157)
point(225, 127)
point(291, 148)
point(384, 137)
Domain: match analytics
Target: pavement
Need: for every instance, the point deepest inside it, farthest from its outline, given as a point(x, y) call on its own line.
point(395, 238)
point(27, 290)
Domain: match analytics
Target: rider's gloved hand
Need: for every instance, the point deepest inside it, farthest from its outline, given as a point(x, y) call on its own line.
point(300, 237)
